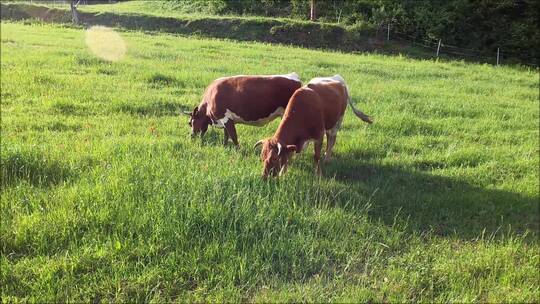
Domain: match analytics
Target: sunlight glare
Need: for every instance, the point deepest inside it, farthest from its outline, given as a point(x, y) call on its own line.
point(105, 43)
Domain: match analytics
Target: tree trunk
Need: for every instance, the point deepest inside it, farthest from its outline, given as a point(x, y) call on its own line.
point(313, 15)
point(74, 13)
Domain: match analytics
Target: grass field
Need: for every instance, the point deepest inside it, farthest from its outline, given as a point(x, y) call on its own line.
point(105, 197)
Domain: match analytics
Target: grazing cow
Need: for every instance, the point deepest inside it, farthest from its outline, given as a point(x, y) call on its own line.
point(315, 109)
point(252, 100)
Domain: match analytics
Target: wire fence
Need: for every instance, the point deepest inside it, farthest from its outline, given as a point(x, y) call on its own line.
point(441, 49)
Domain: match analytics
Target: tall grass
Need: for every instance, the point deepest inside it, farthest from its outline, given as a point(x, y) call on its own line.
point(105, 197)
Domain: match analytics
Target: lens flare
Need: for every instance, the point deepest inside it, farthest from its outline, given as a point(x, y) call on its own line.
point(105, 43)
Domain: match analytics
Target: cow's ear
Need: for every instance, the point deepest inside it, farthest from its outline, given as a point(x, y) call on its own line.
point(291, 148)
point(195, 110)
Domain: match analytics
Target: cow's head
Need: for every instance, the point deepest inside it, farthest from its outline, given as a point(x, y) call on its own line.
point(198, 121)
point(275, 157)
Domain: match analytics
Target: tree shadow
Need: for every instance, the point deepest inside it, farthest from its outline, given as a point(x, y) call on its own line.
point(441, 205)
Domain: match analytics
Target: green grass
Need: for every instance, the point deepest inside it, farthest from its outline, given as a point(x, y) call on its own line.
point(155, 8)
point(266, 30)
point(185, 10)
point(159, 8)
point(105, 197)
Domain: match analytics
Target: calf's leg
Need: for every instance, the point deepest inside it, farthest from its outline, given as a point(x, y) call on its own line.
point(331, 136)
point(317, 156)
point(231, 130)
point(330, 142)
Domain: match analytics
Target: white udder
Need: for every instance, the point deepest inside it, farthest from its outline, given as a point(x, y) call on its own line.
point(259, 122)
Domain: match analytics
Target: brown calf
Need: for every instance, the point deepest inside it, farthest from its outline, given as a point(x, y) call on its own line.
point(314, 109)
point(253, 100)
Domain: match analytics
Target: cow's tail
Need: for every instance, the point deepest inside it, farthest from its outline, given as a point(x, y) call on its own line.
point(357, 112)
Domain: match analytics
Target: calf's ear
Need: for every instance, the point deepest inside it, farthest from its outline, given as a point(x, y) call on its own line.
point(260, 142)
point(291, 148)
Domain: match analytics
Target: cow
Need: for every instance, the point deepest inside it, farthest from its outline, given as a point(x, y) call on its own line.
point(252, 100)
point(313, 110)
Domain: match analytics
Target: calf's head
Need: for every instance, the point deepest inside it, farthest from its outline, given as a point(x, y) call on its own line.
point(275, 157)
point(198, 121)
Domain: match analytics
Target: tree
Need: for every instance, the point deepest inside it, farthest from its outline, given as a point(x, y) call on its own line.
point(74, 14)
point(313, 15)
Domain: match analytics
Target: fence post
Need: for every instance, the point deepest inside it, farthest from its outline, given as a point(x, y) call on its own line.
point(497, 56)
point(388, 33)
point(438, 48)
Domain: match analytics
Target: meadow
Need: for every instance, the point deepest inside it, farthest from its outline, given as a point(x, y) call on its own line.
point(105, 197)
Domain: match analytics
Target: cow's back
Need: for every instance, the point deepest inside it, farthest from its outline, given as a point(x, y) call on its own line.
point(333, 97)
point(250, 98)
point(303, 119)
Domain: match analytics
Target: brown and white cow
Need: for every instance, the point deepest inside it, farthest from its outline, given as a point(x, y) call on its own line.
point(314, 109)
point(252, 100)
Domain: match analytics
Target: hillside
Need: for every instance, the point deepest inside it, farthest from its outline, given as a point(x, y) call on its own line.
point(150, 16)
point(467, 29)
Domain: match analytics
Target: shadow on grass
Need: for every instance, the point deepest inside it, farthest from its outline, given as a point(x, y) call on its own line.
point(153, 108)
point(158, 81)
point(33, 168)
point(212, 137)
point(442, 205)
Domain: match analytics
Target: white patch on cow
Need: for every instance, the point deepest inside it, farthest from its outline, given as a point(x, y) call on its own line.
point(259, 122)
point(292, 76)
point(220, 123)
point(335, 78)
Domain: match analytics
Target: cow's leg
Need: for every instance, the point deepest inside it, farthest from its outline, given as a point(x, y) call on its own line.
point(231, 130)
point(317, 156)
point(330, 142)
point(225, 136)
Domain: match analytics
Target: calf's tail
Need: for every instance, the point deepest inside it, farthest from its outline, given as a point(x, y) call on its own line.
point(357, 112)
